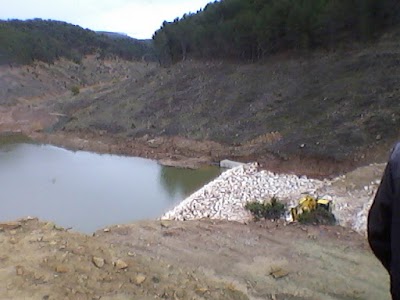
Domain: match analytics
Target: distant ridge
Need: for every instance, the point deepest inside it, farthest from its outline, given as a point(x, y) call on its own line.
point(115, 35)
point(23, 42)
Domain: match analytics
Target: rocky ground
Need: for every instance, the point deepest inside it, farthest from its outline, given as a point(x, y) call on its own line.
point(188, 260)
point(225, 197)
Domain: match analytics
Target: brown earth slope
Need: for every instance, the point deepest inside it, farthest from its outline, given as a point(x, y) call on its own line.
point(292, 110)
point(324, 105)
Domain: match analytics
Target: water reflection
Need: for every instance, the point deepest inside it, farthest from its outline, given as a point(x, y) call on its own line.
point(89, 191)
point(183, 182)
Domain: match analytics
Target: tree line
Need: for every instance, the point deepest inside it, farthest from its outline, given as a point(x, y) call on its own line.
point(23, 42)
point(253, 29)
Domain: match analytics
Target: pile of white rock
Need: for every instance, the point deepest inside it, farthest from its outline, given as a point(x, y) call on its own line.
point(225, 197)
point(351, 207)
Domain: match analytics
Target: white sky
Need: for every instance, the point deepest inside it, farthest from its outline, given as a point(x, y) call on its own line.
point(137, 18)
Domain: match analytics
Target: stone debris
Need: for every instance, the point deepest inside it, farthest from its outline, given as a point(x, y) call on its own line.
point(98, 262)
point(62, 269)
point(139, 279)
point(229, 164)
point(278, 273)
point(120, 264)
point(225, 197)
point(10, 225)
point(19, 270)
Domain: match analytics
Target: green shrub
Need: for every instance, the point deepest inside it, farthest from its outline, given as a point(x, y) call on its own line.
point(75, 90)
point(319, 216)
point(13, 138)
point(272, 210)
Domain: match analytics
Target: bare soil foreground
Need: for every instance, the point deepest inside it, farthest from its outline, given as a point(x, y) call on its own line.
point(188, 260)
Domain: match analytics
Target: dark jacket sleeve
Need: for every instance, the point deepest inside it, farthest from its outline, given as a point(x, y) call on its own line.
point(380, 219)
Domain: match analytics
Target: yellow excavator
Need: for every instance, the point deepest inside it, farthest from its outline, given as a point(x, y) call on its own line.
point(309, 203)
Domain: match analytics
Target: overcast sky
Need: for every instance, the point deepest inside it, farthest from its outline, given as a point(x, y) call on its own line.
point(137, 18)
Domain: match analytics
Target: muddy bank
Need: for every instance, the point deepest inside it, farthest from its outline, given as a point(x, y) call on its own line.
point(186, 153)
point(39, 123)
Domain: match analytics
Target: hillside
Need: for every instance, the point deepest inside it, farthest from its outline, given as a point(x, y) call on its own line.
point(23, 42)
point(251, 30)
point(320, 105)
point(323, 105)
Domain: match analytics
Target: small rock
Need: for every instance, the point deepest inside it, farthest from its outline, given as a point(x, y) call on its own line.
point(201, 291)
point(62, 269)
point(106, 230)
point(278, 273)
point(49, 225)
point(165, 224)
point(10, 225)
point(59, 228)
point(120, 264)
point(139, 279)
point(98, 261)
point(20, 270)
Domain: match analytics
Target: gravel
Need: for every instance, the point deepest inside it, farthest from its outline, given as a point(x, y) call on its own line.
point(225, 197)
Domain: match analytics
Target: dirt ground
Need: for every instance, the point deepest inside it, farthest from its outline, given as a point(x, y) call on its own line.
point(188, 260)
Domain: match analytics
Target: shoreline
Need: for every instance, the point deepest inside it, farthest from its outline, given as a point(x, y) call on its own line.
point(173, 151)
point(119, 146)
point(182, 152)
point(224, 197)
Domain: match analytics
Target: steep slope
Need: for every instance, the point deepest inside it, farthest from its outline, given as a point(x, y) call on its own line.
point(41, 81)
point(328, 105)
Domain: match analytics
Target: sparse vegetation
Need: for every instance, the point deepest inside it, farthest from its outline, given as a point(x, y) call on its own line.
point(75, 90)
point(13, 138)
point(272, 210)
point(23, 42)
point(318, 216)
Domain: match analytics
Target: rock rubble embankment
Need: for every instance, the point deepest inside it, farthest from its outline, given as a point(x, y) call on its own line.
point(225, 197)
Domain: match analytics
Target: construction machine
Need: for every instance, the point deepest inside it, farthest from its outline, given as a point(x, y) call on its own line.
point(309, 203)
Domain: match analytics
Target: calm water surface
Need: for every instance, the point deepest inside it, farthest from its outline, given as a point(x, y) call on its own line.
point(88, 191)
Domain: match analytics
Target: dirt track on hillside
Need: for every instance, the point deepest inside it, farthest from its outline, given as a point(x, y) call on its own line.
point(188, 260)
